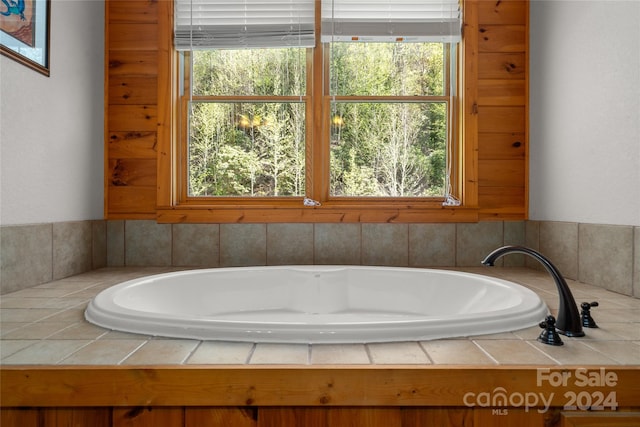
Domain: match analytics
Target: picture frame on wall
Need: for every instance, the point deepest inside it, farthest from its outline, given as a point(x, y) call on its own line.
point(24, 32)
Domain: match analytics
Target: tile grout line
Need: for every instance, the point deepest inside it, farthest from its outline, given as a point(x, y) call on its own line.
point(132, 352)
point(530, 344)
point(421, 345)
point(486, 353)
point(250, 355)
point(73, 352)
point(190, 353)
point(367, 351)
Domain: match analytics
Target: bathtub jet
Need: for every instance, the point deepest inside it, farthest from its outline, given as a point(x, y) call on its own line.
point(316, 304)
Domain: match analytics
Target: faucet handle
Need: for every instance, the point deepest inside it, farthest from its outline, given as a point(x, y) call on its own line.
point(549, 335)
point(585, 313)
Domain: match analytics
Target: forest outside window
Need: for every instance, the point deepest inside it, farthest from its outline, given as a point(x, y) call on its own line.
point(326, 100)
point(388, 119)
point(246, 121)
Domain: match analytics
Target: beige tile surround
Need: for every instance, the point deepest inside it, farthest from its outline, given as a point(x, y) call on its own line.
point(34, 254)
point(44, 325)
point(607, 256)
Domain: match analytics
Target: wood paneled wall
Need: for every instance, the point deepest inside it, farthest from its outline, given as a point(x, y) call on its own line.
point(502, 108)
point(273, 417)
point(498, 54)
point(313, 396)
point(131, 98)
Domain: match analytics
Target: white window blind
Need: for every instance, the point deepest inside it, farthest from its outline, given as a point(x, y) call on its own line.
point(235, 24)
point(391, 20)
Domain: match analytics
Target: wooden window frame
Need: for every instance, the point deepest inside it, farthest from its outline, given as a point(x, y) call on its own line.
point(174, 207)
point(182, 180)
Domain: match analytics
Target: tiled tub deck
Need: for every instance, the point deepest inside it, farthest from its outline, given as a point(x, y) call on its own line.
point(44, 325)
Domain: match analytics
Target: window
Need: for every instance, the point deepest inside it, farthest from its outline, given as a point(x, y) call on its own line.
point(320, 100)
point(246, 122)
point(388, 119)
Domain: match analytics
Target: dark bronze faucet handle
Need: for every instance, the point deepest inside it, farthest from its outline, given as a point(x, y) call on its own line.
point(549, 335)
point(585, 313)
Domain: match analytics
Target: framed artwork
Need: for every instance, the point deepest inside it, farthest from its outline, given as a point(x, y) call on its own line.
point(24, 32)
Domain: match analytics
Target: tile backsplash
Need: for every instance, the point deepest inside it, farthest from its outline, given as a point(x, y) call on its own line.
point(33, 254)
point(146, 243)
point(601, 255)
point(607, 256)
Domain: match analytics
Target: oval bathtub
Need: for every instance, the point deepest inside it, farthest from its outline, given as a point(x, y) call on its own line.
point(316, 304)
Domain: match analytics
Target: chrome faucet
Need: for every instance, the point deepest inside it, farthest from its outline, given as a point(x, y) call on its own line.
point(568, 322)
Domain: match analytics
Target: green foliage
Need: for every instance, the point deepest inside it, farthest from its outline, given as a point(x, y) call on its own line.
point(246, 149)
point(387, 69)
point(376, 148)
point(269, 72)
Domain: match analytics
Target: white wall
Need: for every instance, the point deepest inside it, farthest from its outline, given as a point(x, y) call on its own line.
point(585, 111)
point(51, 129)
point(584, 117)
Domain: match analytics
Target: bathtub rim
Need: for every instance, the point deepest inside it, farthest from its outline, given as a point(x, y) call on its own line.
point(102, 312)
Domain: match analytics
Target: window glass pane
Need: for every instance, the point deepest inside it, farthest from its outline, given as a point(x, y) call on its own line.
point(247, 149)
point(387, 69)
point(264, 72)
point(388, 149)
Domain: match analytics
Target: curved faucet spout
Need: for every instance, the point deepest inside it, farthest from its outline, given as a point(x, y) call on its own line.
point(568, 322)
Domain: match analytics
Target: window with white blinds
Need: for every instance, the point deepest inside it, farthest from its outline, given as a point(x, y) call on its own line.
point(379, 127)
point(391, 20)
point(236, 24)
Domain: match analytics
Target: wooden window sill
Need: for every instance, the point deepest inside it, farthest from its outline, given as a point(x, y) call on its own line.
point(320, 214)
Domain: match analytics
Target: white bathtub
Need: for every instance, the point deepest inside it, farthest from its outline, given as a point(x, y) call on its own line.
point(316, 304)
